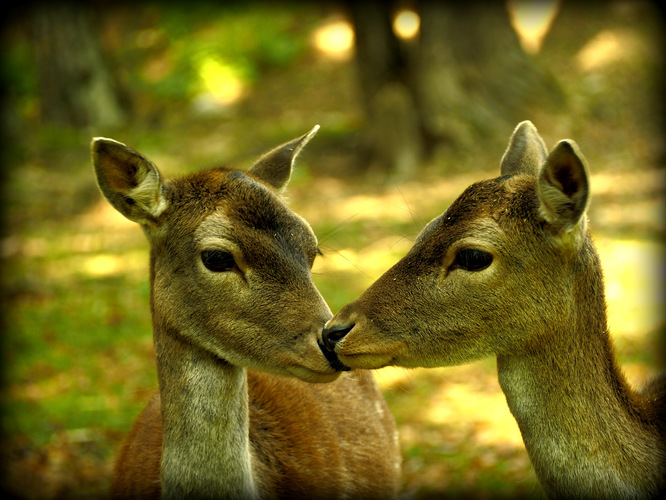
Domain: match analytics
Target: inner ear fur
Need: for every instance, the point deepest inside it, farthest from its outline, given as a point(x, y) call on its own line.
point(131, 183)
point(563, 186)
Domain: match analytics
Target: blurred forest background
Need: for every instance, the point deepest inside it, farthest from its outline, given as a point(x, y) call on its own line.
point(416, 100)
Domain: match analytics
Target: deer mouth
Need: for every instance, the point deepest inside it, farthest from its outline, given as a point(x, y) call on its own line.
point(367, 361)
point(371, 356)
point(311, 376)
point(332, 357)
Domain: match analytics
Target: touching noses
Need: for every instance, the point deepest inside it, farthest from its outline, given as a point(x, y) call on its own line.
point(333, 334)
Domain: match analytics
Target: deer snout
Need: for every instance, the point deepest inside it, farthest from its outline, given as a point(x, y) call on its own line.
point(333, 334)
point(329, 338)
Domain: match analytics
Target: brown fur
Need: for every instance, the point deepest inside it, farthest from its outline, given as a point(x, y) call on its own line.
point(327, 447)
point(539, 307)
point(231, 419)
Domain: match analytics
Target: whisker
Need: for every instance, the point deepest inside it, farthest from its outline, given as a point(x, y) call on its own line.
point(418, 223)
point(333, 250)
point(336, 228)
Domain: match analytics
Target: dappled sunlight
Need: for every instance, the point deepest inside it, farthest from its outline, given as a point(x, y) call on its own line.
point(102, 265)
point(635, 182)
point(102, 216)
point(467, 396)
point(413, 201)
point(223, 81)
point(605, 48)
point(335, 39)
point(532, 21)
point(369, 206)
point(628, 199)
point(391, 375)
point(128, 264)
point(372, 262)
point(634, 273)
point(100, 243)
point(456, 429)
point(487, 410)
point(464, 397)
point(105, 265)
point(406, 24)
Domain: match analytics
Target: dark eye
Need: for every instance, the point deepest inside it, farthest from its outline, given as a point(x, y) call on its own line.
point(472, 259)
point(218, 260)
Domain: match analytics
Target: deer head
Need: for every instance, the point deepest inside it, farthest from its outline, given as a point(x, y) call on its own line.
point(487, 277)
point(230, 262)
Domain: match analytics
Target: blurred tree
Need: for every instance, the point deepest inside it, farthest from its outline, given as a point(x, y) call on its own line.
point(465, 78)
point(75, 85)
point(383, 65)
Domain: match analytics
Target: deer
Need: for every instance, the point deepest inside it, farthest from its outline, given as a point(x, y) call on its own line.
point(510, 270)
point(249, 405)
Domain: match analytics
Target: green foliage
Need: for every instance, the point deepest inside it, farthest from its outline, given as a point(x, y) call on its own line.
point(246, 41)
point(16, 71)
point(78, 339)
point(18, 74)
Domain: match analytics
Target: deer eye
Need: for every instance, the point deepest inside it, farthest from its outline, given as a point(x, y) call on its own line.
point(218, 261)
point(472, 259)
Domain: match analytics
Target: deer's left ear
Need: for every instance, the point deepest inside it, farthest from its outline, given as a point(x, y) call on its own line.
point(130, 181)
point(563, 186)
point(275, 167)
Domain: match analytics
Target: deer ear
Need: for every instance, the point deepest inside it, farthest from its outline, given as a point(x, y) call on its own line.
point(563, 185)
point(274, 167)
point(526, 151)
point(130, 182)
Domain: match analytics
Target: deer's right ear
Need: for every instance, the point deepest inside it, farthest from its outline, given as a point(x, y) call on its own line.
point(130, 181)
point(563, 186)
point(526, 151)
point(275, 166)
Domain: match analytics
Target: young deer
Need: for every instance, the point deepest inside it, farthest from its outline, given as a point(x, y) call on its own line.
point(510, 270)
point(236, 316)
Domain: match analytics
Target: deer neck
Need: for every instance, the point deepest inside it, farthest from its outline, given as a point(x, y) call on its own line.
point(204, 404)
point(570, 400)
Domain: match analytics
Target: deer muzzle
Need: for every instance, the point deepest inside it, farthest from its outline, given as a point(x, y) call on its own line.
point(330, 337)
point(333, 334)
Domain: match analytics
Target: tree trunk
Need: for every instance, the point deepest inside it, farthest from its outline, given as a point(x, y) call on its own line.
point(465, 80)
point(75, 85)
point(472, 70)
point(393, 133)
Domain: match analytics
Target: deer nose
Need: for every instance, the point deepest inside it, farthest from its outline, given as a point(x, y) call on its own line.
point(334, 334)
point(329, 337)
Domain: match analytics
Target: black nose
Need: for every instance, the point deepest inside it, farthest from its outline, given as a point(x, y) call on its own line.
point(334, 334)
point(329, 337)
